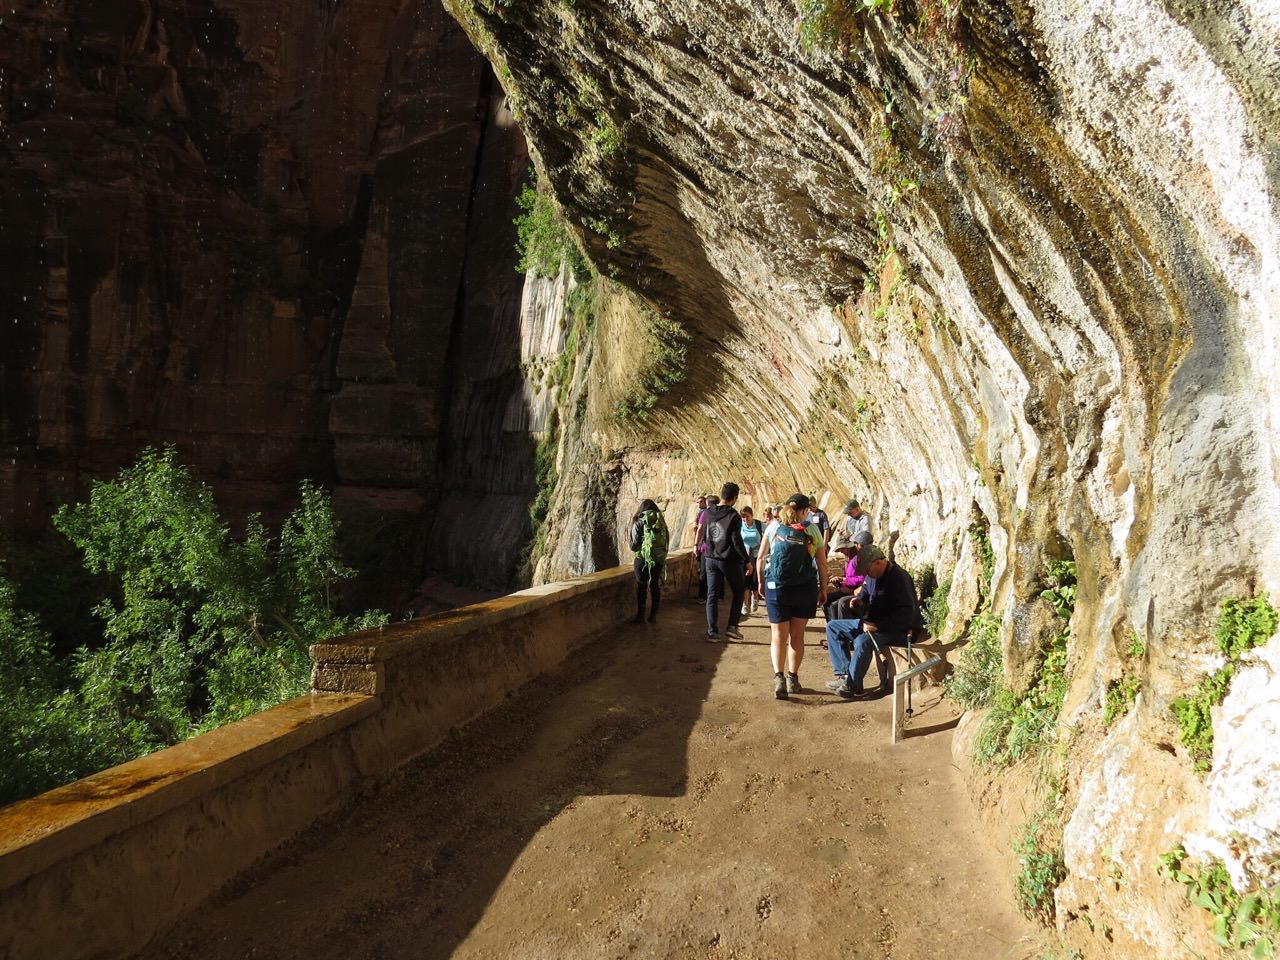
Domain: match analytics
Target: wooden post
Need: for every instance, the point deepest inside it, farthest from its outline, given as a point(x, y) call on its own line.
point(900, 682)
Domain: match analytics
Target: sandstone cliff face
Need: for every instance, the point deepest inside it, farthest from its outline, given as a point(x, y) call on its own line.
point(277, 235)
point(1018, 268)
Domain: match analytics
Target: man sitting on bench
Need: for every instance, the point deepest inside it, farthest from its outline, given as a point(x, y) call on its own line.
point(890, 614)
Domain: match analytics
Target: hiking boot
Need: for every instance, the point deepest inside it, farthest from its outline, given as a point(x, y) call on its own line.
point(733, 633)
point(836, 684)
point(849, 692)
point(713, 636)
point(793, 683)
point(779, 686)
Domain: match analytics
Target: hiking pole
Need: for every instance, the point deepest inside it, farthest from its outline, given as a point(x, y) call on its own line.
point(909, 710)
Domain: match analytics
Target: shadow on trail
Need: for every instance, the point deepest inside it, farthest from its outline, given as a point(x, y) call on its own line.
point(410, 867)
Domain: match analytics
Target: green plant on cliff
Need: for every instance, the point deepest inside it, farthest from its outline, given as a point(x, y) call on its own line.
point(1247, 921)
point(936, 609)
point(976, 678)
point(1243, 623)
point(663, 366)
point(542, 240)
point(830, 24)
point(1019, 725)
point(199, 627)
point(1040, 869)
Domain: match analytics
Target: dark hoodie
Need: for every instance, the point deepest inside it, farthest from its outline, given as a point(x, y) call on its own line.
point(723, 534)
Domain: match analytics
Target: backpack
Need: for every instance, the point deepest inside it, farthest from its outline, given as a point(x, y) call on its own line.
point(653, 539)
point(716, 533)
point(790, 563)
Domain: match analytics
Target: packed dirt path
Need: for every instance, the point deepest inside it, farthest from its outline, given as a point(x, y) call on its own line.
point(650, 799)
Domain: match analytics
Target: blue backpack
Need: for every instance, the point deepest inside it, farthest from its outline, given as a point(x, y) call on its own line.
point(790, 563)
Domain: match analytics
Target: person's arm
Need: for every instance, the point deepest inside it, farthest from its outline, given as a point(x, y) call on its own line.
point(763, 555)
point(894, 606)
point(636, 535)
point(821, 557)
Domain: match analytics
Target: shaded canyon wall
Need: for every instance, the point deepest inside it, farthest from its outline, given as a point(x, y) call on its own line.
point(278, 236)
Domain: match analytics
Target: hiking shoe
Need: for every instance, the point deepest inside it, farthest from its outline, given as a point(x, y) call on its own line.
point(793, 683)
point(836, 684)
point(779, 686)
point(744, 613)
point(848, 692)
point(713, 636)
point(733, 633)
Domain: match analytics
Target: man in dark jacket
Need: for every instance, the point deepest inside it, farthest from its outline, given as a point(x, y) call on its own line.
point(726, 561)
point(890, 614)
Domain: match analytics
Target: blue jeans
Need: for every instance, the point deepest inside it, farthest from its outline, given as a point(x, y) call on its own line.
point(840, 632)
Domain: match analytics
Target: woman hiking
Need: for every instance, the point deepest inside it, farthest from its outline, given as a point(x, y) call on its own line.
point(793, 560)
point(649, 540)
point(752, 534)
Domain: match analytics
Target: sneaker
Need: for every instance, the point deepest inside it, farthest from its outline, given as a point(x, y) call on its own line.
point(848, 692)
point(793, 683)
point(733, 633)
point(713, 636)
point(779, 686)
point(836, 684)
point(745, 613)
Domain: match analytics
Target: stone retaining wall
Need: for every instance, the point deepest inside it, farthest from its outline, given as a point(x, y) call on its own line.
point(98, 868)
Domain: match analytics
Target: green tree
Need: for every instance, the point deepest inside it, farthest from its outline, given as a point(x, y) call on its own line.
point(199, 629)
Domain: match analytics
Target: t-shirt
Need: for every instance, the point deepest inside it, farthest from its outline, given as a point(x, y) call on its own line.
point(751, 534)
point(860, 525)
point(818, 517)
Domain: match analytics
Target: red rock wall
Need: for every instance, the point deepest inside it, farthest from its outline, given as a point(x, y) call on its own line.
point(270, 233)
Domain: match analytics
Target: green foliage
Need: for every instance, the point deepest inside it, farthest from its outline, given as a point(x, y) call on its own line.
point(1243, 623)
point(199, 628)
point(1018, 726)
point(1120, 697)
point(977, 675)
point(542, 240)
point(1248, 921)
point(1040, 870)
point(834, 23)
point(1061, 592)
point(663, 368)
point(987, 555)
point(936, 609)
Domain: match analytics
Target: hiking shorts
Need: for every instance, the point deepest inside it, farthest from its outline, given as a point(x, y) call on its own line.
point(792, 603)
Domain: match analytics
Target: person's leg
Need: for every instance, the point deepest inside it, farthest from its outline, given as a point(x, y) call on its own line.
point(796, 653)
point(702, 576)
point(655, 590)
point(779, 637)
point(863, 651)
point(840, 634)
point(715, 574)
point(642, 581)
point(736, 576)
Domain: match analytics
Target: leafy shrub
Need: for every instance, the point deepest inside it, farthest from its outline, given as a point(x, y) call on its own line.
point(1120, 697)
point(833, 23)
point(542, 240)
point(1061, 592)
point(936, 609)
point(199, 628)
point(978, 670)
point(1242, 625)
point(1018, 726)
point(1240, 921)
point(667, 349)
point(1040, 871)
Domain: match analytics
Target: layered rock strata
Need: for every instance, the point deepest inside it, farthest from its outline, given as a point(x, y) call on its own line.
point(1013, 269)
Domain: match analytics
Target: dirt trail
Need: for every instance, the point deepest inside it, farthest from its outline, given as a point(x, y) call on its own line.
point(651, 799)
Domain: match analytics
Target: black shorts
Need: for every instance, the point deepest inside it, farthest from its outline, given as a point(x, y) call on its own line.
point(792, 603)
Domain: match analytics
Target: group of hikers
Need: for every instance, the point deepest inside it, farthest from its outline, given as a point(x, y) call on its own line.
point(797, 561)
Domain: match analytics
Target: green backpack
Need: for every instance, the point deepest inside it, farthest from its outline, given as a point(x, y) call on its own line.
point(653, 543)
